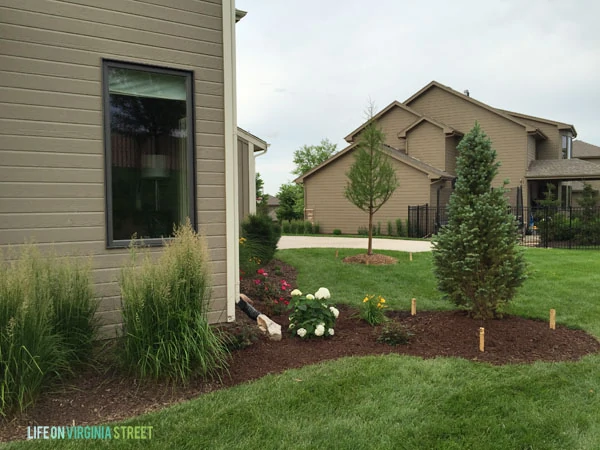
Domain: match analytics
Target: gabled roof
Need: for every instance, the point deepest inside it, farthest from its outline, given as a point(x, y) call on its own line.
point(528, 128)
point(259, 144)
point(430, 171)
point(584, 150)
point(559, 125)
point(563, 169)
point(394, 104)
point(445, 128)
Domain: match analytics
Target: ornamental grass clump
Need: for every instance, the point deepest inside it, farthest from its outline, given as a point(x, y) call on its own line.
point(312, 315)
point(371, 310)
point(47, 324)
point(165, 305)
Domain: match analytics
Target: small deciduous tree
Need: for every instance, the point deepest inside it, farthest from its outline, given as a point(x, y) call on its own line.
point(371, 179)
point(476, 258)
point(588, 200)
point(291, 202)
point(308, 157)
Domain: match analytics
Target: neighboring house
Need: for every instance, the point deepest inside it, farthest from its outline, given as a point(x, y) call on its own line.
point(422, 134)
point(249, 147)
point(118, 118)
point(272, 207)
point(586, 152)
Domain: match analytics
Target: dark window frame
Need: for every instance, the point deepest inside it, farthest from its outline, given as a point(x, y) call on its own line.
point(191, 146)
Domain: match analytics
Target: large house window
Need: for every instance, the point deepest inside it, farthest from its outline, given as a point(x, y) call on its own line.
point(567, 147)
point(149, 151)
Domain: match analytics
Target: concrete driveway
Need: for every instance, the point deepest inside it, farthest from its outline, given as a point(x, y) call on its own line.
point(341, 242)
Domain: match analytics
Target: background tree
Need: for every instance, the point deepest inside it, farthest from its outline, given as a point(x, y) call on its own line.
point(308, 157)
point(371, 179)
point(476, 258)
point(261, 197)
point(588, 200)
point(291, 202)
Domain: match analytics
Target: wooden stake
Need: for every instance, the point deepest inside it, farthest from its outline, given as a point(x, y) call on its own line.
point(413, 307)
point(553, 319)
point(336, 254)
point(481, 339)
point(410, 256)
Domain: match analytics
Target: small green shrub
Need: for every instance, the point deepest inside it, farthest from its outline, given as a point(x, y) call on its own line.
point(390, 228)
point(371, 310)
point(394, 333)
point(399, 229)
point(312, 315)
point(407, 229)
point(363, 231)
point(308, 227)
point(293, 227)
point(286, 227)
point(378, 228)
point(166, 333)
point(316, 228)
point(240, 336)
point(262, 232)
point(337, 232)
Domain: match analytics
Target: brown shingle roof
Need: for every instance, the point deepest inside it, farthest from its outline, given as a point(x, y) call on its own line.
point(431, 171)
point(563, 169)
point(584, 150)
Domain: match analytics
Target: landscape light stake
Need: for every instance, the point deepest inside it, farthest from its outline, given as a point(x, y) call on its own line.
point(410, 256)
point(413, 307)
point(481, 339)
point(553, 319)
point(336, 254)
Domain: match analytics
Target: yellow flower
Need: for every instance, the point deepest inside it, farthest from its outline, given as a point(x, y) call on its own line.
point(381, 300)
point(366, 299)
point(242, 240)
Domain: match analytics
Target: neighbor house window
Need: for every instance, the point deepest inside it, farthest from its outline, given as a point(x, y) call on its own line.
point(149, 151)
point(567, 147)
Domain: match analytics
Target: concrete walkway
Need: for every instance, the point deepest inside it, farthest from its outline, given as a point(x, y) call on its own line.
point(340, 242)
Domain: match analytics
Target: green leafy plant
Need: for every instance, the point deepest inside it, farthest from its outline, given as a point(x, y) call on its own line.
point(312, 315)
point(308, 227)
point(166, 332)
point(240, 336)
point(337, 232)
point(316, 228)
point(274, 295)
point(390, 228)
point(371, 309)
point(362, 231)
point(399, 230)
point(394, 333)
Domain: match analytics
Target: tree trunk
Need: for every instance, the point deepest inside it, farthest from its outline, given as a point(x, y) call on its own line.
point(370, 247)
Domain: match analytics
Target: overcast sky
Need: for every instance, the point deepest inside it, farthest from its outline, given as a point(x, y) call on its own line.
point(306, 69)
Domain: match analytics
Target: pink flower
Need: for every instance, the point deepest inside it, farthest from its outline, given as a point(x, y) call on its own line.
point(262, 272)
point(286, 302)
point(257, 282)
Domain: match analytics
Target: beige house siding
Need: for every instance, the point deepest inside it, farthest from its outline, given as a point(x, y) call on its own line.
point(51, 126)
point(549, 148)
point(509, 139)
point(426, 143)
point(324, 194)
point(451, 153)
point(394, 121)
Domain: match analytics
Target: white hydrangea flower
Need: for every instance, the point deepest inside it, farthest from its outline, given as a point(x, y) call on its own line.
point(296, 293)
point(310, 297)
point(320, 330)
point(334, 311)
point(322, 293)
point(301, 332)
point(330, 332)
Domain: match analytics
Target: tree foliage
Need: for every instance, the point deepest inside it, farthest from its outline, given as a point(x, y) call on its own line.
point(308, 157)
point(476, 258)
point(371, 179)
point(588, 200)
point(261, 197)
point(291, 202)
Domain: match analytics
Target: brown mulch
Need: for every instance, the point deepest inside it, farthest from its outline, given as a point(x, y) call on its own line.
point(102, 396)
point(372, 260)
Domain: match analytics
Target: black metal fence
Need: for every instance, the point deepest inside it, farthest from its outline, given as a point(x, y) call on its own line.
point(547, 227)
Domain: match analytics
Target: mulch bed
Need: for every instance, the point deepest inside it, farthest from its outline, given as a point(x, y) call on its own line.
point(101, 396)
point(375, 259)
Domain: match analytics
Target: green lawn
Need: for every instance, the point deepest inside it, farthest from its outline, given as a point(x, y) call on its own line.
point(405, 402)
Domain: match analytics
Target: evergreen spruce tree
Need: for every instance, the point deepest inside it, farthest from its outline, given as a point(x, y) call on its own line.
point(476, 257)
